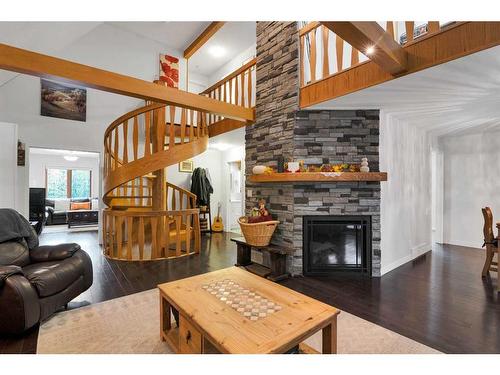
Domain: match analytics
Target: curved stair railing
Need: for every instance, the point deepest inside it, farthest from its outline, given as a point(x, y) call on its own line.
point(148, 218)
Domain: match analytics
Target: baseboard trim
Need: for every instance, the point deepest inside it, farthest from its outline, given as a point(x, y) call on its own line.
point(415, 252)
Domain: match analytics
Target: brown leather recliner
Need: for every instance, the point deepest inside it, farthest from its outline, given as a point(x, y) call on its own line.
point(35, 283)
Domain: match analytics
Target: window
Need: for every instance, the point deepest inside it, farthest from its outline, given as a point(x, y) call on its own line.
point(68, 183)
point(80, 184)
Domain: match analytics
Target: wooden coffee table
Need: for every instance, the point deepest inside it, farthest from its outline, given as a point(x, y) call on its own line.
point(235, 311)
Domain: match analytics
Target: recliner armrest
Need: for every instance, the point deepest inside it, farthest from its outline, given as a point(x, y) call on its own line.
point(55, 252)
point(6, 271)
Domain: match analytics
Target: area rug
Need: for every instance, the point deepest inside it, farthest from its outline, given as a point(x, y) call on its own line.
point(130, 325)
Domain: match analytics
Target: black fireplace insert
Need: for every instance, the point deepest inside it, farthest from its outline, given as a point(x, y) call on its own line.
point(336, 243)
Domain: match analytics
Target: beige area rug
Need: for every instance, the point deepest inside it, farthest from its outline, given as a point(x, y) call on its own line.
point(131, 325)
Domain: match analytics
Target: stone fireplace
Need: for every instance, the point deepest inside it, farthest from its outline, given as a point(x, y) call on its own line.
point(317, 137)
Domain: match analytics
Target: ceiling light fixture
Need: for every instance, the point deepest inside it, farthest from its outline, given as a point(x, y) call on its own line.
point(71, 157)
point(370, 50)
point(217, 51)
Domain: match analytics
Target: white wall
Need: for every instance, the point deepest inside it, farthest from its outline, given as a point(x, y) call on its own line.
point(406, 195)
point(233, 154)
point(471, 181)
point(40, 162)
point(237, 62)
point(104, 47)
point(8, 166)
point(210, 159)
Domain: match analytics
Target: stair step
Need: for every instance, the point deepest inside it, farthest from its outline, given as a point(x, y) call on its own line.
point(130, 196)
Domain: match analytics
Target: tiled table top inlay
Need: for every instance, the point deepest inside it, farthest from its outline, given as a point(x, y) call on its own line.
point(247, 302)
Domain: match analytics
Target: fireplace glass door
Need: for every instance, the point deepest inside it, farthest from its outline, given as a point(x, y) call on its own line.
point(336, 243)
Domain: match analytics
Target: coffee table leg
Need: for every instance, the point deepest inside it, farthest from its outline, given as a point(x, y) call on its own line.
point(165, 317)
point(330, 338)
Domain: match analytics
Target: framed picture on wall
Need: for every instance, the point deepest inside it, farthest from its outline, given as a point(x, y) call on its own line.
point(186, 166)
point(169, 70)
point(63, 101)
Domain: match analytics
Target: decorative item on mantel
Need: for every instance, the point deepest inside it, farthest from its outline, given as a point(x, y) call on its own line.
point(364, 165)
point(259, 227)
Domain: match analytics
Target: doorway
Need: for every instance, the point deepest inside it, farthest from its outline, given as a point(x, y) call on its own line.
point(64, 188)
point(234, 201)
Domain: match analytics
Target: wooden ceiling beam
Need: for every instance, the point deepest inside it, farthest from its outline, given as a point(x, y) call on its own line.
point(387, 53)
point(202, 38)
point(35, 64)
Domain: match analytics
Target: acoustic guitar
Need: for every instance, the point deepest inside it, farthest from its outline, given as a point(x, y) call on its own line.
point(217, 225)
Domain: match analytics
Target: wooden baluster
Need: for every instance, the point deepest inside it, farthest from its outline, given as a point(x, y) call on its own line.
point(191, 125)
point(197, 233)
point(161, 235)
point(181, 200)
point(130, 222)
point(173, 203)
point(171, 142)
point(339, 46)
point(188, 233)
point(183, 124)
point(390, 28)
point(167, 236)
point(236, 91)
point(433, 26)
point(249, 88)
point(178, 235)
point(409, 25)
point(312, 63)
point(230, 91)
point(135, 137)
point(111, 225)
point(302, 53)
point(154, 244)
point(326, 63)
point(354, 56)
point(140, 237)
point(125, 142)
point(160, 129)
point(147, 133)
point(119, 236)
point(116, 148)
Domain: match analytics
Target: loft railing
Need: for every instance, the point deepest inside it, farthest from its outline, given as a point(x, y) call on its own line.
point(323, 53)
point(236, 88)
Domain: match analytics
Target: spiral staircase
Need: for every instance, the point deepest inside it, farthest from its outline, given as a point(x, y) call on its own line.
point(149, 218)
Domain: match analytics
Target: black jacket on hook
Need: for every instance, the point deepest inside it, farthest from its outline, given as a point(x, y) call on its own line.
point(201, 186)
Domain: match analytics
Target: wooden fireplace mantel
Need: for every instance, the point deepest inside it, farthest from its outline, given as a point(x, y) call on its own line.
point(318, 177)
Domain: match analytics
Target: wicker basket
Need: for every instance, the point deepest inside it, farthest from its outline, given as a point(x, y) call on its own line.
point(257, 234)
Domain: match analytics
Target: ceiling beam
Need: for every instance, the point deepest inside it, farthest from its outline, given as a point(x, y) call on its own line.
point(387, 53)
point(202, 38)
point(35, 64)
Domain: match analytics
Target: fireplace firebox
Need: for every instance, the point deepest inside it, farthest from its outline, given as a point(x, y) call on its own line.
point(336, 243)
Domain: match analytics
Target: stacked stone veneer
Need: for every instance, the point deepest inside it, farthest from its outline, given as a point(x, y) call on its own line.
point(317, 137)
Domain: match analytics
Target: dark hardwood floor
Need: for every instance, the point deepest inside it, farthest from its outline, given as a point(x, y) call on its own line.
point(438, 299)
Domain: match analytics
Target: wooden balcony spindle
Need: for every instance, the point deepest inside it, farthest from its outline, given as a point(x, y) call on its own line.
point(326, 63)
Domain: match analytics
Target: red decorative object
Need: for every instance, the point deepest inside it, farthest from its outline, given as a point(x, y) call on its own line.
point(169, 70)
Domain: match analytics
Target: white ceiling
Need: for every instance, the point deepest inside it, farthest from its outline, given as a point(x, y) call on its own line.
point(453, 98)
point(52, 37)
point(235, 138)
point(177, 35)
point(234, 37)
point(43, 37)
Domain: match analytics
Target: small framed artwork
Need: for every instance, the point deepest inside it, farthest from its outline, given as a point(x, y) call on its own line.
point(63, 101)
point(169, 70)
point(186, 166)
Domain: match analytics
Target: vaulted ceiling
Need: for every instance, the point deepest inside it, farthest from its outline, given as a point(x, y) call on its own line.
point(458, 97)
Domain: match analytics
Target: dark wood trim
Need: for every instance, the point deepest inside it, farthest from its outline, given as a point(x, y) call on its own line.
point(451, 43)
